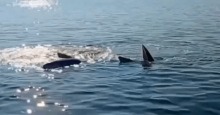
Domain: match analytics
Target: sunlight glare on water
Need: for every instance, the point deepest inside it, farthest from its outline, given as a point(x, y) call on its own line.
point(36, 3)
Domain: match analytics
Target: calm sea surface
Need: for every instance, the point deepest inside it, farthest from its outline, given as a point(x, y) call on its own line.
point(183, 34)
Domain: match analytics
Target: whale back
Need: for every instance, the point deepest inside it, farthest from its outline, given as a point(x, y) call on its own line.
point(124, 60)
point(61, 63)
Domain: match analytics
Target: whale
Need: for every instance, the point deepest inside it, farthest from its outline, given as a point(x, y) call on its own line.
point(61, 63)
point(147, 58)
point(67, 60)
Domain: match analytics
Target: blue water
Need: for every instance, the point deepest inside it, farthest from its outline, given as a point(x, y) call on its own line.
point(183, 33)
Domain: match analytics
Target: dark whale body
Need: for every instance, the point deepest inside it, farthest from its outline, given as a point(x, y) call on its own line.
point(124, 60)
point(147, 58)
point(61, 63)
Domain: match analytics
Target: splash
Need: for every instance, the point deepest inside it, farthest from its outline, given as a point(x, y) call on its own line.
point(36, 3)
point(37, 56)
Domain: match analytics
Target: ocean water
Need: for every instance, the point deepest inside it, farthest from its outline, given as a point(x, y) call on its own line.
point(183, 36)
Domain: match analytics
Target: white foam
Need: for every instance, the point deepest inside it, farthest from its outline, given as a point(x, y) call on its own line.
point(18, 90)
point(77, 57)
point(75, 65)
point(34, 57)
point(48, 45)
point(29, 111)
point(41, 104)
point(67, 67)
point(57, 70)
point(34, 96)
point(91, 61)
point(27, 89)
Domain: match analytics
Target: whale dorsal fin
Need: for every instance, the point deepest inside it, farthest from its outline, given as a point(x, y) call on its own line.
point(146, 54)
point(60, 55)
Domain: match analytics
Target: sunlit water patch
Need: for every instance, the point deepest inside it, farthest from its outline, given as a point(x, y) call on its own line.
point(38, 101)
point(36, 3)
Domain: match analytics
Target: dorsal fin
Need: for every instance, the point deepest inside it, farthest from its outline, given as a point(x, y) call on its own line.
point(60, 55)
point(146, 54)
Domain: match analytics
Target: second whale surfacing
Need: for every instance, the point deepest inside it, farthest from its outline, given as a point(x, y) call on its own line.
point(68, 60)
point(147, 58)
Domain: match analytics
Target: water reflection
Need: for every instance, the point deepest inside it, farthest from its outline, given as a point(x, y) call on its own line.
point(39, 100)
point(36, 3)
